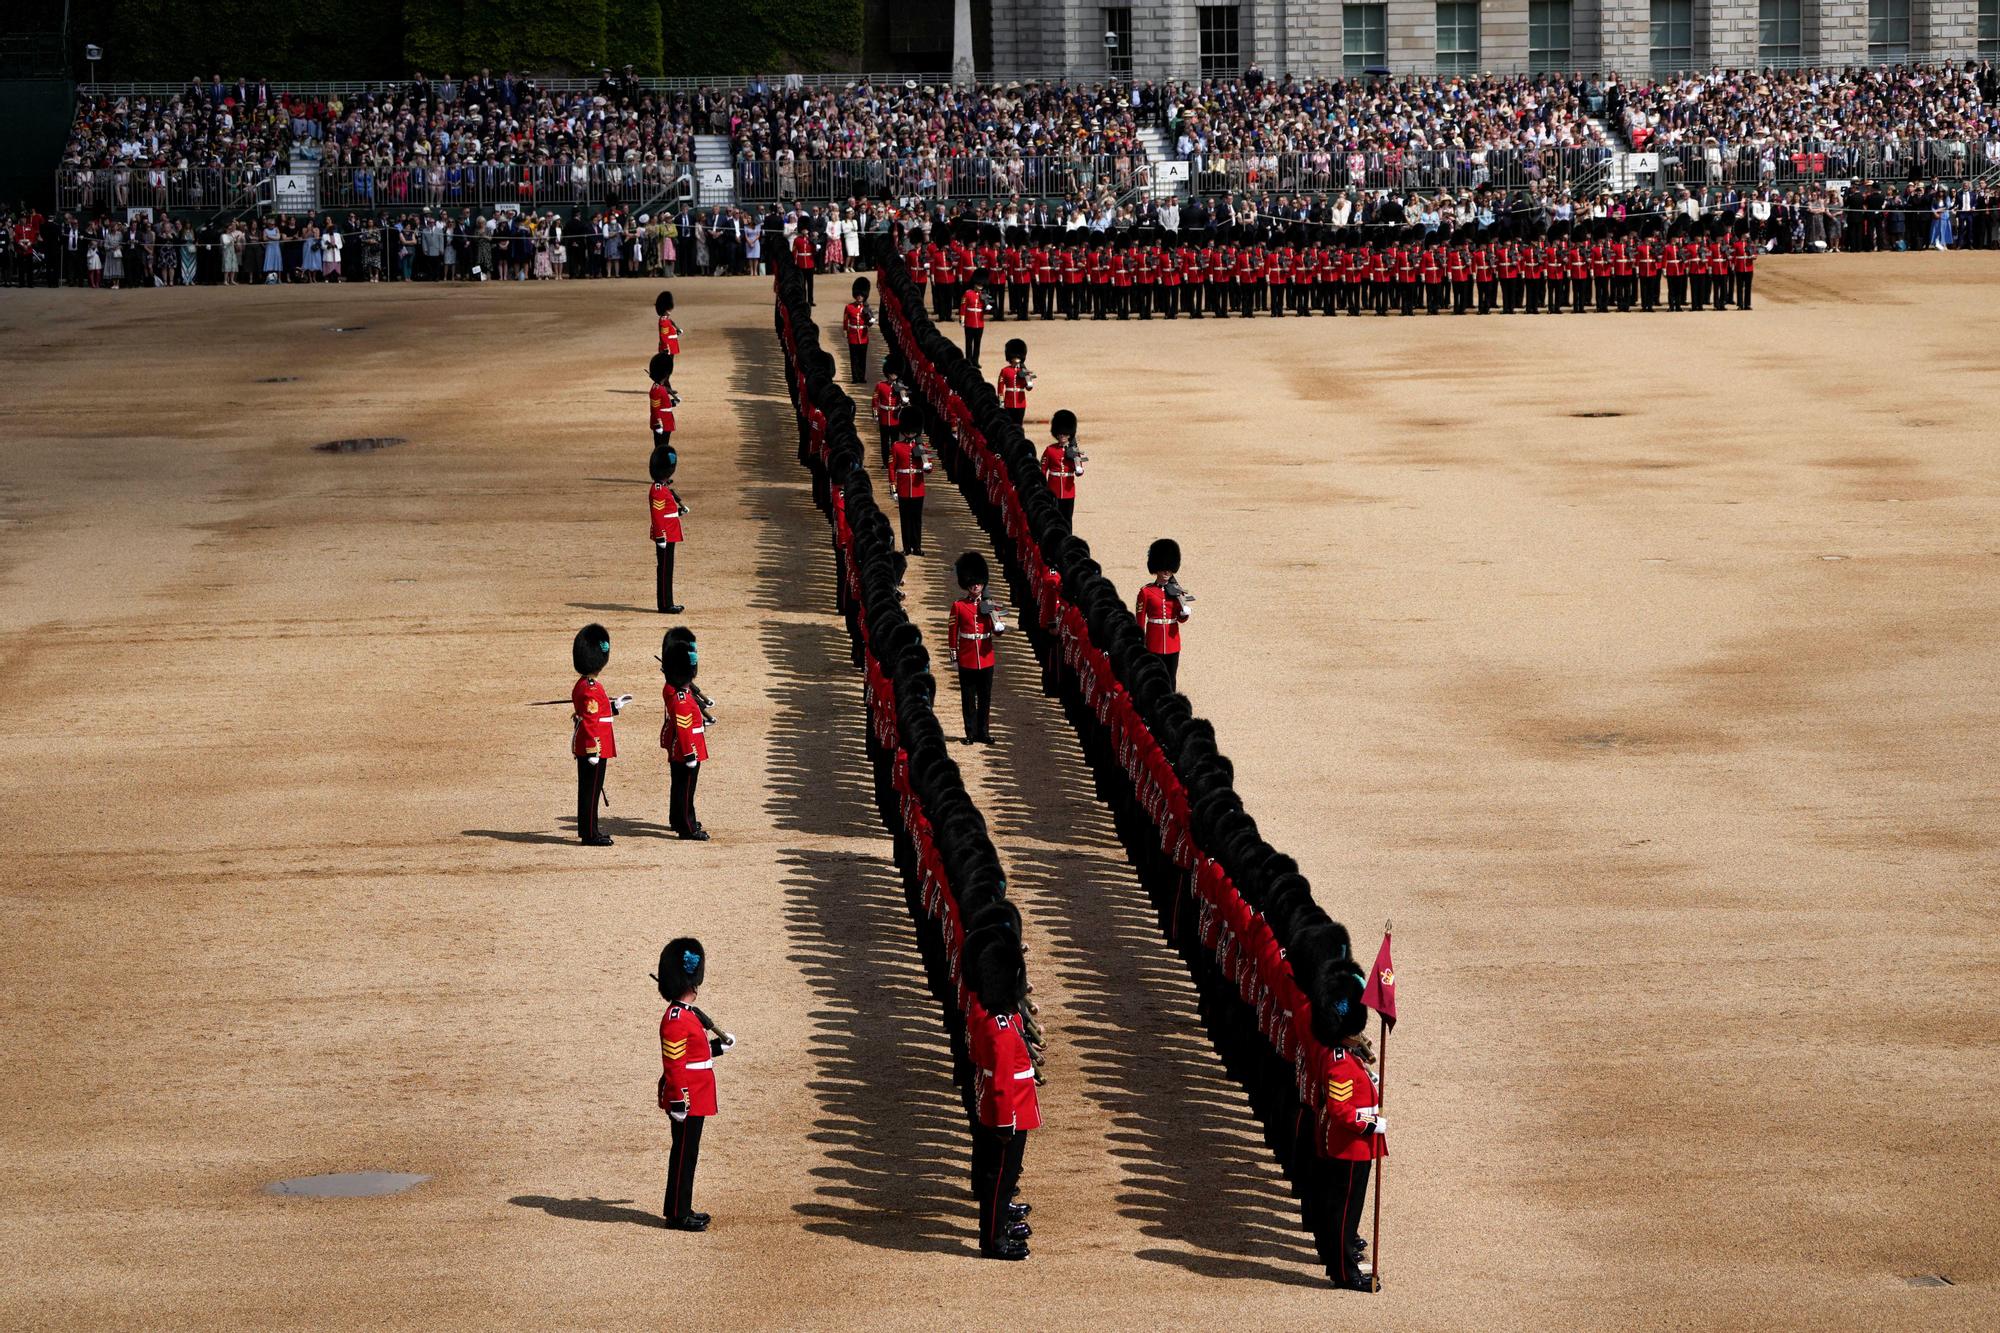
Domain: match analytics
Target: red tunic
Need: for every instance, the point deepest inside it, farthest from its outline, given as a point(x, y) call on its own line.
point(905, 473)
point(1013, 387)
point(1160, 618)
point(686, 1062)
point(591, 732)
point(1345, 1087)
point(802, 251)
point(670, 336)
point(682, 735)
point(971, 636)
point(663, 408)
point(972, 308)
point(1057, 472)
point(888, 412)
point(1006, 1075)
point(666, 513)
point(855, 321)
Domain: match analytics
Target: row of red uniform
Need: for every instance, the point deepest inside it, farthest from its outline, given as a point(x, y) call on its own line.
point(1237, 936)
point(1005, 1095)
point(1281, 265)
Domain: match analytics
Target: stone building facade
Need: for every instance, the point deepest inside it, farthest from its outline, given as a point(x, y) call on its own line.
point(1159, 39)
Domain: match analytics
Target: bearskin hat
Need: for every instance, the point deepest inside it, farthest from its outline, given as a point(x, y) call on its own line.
point(680, 634)
point(683, 964)
point(1017, 349)
point(969, 569)
point(1063, 423)
point(1337, 1011)
point(663, 303)
point(677, 662)
point(661, 464)
point(1163, 557)
point(661, 368)
point(1000, 976)
point(861, 289)
point(591, 650)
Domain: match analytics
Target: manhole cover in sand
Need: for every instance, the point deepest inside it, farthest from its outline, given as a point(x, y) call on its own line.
point(365, 445)
point(1591, 415)
point(347, 1184)
point(279, 379)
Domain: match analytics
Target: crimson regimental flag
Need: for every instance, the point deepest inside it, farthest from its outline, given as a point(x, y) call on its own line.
point(1381, 992)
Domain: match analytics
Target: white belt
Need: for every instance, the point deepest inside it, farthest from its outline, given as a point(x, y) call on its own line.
point(699, 1064)
point(1024, 1073)
point(697, 729)
point(975, 637)
point(1152, 620)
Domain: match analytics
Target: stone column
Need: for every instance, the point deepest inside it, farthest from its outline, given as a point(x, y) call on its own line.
point(961, 42)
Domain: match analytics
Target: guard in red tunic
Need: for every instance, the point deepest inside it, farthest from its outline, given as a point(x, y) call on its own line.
point(1743, 259)
point(1349, 1133)
point(1062, 464)
point(909, 464)
point(1458, 271)
point(661, 399)
point(668, 511)
point(855, 321)
point(972, 314)
point(1016, 381)
point(1042, 277)
point(1624, 284)
point(1006, 1109)
point(975, 623)
point(802, 257)
point(591, 741)
point(684, 734)
point(1163, 607)
point(687, 1074)
point(1648, 262)
point(670, 332)
point(891, 402)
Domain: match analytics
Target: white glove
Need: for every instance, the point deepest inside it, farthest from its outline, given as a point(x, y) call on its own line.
point(661, 543)
point(693, 762)
point(618, 704)
point(727, 1042)
point(676, 1116)
point(1381, 1125)
point(593, 760)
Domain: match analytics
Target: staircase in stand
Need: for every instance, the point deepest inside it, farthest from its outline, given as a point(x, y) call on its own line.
point(1154, 140)
point(714, 170)
point(1617, 176)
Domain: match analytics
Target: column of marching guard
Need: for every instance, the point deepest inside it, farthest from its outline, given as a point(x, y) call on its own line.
point(968, 932)
point(1279, 989)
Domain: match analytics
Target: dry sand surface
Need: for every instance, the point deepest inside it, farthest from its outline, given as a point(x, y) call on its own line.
point(1667, 739)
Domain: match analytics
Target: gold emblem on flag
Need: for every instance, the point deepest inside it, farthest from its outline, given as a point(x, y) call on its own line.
point(1388, 976)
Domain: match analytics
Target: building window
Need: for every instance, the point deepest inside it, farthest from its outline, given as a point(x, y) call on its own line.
point(1217, 24)
point(1548, 35)
point(1673, 35)
point(1778, 32)
point(1117, 38)
point(1888, 30)
point(1362, 43)
point(1989, 29)
point(1458, 38)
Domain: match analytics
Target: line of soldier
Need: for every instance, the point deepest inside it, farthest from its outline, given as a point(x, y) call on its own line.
point(978, 272)
point(1280, 991)
point(968, 932)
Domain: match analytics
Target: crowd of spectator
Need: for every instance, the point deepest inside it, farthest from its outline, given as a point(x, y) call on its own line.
point(1788, 110)
point(933, 122)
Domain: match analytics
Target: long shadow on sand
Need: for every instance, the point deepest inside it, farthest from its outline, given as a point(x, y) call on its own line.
point(588, 1210)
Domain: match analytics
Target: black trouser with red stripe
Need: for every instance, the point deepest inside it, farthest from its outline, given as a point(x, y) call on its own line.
point(911, 512)
point(975, 701)
point(663, 573)
point(1172, 662)
point(682, 1158)
point(996, 1174)
point(857, 362)
point(589, 791)
point(972, 340)
point(680, 796)
point(1340, 1190)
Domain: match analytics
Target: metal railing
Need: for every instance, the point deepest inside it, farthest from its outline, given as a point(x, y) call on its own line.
point(829, 179)
point(537, 185)
point(1696, 166)
point(1408, 172)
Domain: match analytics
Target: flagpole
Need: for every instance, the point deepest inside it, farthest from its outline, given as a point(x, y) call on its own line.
point(1381, 1096)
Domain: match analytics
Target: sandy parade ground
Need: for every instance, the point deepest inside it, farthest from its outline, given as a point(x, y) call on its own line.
point(1645, 669)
